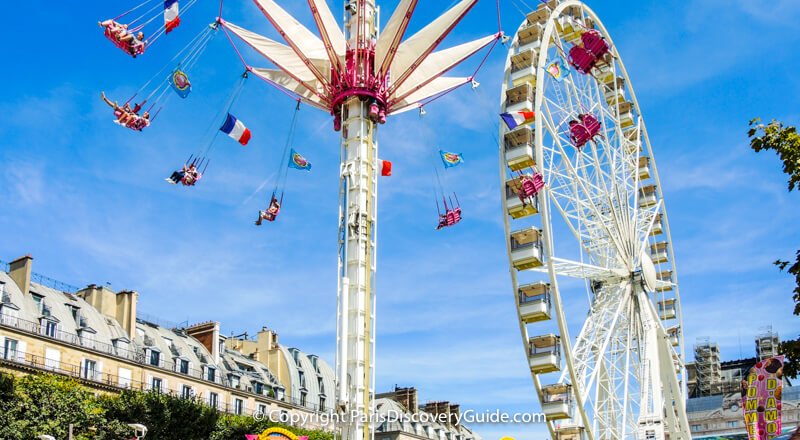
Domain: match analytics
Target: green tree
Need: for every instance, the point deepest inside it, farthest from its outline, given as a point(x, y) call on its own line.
point(47, 404)
point(785, 142)
point(166, 417)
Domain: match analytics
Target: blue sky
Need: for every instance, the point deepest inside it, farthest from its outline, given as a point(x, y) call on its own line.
point(87, 198)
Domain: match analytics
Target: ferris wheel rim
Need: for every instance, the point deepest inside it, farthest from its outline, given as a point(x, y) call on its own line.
point(546, 216)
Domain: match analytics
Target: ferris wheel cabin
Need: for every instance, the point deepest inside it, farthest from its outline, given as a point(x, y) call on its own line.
point(523, 67)
point(556, 401)
point(664, 279)
point(614, 91)
point(517, 208)
point(647, 196)
point(666, 308)
point(569, 432)
point(544, 353)
point(519, 98)
point(644, 167)
point(658, 228)
point(526, 248)
point(534, 302)
point(658, 252)
point(631, 140)
point(674, 335)
point(625, 114)
point(519, 148)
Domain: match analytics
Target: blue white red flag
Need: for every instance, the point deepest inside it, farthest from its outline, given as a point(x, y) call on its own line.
point(515, 119)
point(236, 130)
point(171, 18)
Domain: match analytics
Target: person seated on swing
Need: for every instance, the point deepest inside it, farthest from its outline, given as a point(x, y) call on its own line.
point(270, 213)
point(136, 42)
point(442, 221)
point(137, 122)
point(190, 175)
point(123, 113)
point(177, 176)
point(114, 29)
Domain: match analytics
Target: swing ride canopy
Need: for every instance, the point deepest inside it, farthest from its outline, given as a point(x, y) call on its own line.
point(322, 70)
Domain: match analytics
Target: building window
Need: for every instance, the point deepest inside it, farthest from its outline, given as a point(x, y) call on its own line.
point(322, 404)
point(302, 399)
point(212, 399)
point(156, 385)
point(89, 369)
point(38, 300)
point(155, 358)
point(262, 409)
point(697, 427)
point(10, 349)
point(183, 366)
point(302, 379)
point(321, 385)
point(259, 388)
point(234, 381)
point(49, 328)
point(238, 407)
point(186, 392)
point(211, 374)
point(732, 424)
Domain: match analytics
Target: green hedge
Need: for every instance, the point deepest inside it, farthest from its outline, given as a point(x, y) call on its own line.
point(46, 404)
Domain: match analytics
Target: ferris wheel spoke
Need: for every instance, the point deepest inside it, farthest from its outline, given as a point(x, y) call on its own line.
point(584, 271)
point(583, 186)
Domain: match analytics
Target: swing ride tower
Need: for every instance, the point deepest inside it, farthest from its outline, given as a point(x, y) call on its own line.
point(360, 75)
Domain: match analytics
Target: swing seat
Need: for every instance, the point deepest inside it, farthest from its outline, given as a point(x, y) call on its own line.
point(189, 180)
point(579, 135)
point(131, 49)
point(373, 111)
point(530, 186)
point(449, 218)
point(591, 123)
point(581, 59)
point(594, 42)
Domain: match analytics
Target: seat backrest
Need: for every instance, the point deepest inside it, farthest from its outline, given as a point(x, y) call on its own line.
point(581, 59)
point(579, 134)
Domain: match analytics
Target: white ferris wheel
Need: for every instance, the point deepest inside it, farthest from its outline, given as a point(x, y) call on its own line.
point(600, 220)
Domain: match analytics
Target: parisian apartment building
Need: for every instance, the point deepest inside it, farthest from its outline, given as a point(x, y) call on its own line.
point(95, 335)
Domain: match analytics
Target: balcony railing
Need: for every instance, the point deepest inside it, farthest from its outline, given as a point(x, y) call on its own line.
point(69, 338)
point(135, 356)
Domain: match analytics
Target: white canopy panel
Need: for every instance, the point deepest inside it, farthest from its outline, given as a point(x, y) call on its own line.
point(280, 78)
point(438, 63)
point(393, 33)
point(328, 26)
point(417, 47)
point(292, 31)
point(433, 88)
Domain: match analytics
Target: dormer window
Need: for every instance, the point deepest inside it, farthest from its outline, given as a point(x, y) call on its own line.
point(183, 366)
point(38, 300)
point(155, 358)
point(48, 327)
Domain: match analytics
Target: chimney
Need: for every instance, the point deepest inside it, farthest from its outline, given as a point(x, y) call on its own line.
point(126, 311)
point(20, 272)
point(207, 333)
point(120, 306)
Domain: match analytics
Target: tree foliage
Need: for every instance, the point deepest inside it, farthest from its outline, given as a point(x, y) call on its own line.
point(783, 140)
point(46, 404)
point(786, 143)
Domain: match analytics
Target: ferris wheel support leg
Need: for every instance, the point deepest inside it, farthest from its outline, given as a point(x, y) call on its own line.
point(659, 357)
point(357, 260)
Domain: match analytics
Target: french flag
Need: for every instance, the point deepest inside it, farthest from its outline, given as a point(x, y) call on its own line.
point(236, 130)
point(386, 168)
point(515, 119)
point(171, 18)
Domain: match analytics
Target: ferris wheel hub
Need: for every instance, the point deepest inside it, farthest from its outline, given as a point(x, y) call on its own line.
point(648, 272)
